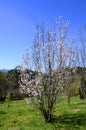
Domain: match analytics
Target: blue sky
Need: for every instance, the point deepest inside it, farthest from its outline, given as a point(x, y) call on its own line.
point(18, 19)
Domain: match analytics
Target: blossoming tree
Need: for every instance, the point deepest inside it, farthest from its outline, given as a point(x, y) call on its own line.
point(47, 60)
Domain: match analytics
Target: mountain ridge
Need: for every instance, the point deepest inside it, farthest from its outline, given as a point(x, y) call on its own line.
point(4, 70)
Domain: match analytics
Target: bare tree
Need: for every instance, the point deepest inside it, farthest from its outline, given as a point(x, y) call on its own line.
point(71, 67)
point(82, 55)
point(83, 47)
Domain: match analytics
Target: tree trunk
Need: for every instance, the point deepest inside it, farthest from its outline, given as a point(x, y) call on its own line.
point(47, 116)
point(68, 96)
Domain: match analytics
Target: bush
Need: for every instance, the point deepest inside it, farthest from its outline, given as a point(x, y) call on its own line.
point(82, 89)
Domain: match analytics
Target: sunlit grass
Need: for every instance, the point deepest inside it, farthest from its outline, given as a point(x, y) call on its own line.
point(21, 116)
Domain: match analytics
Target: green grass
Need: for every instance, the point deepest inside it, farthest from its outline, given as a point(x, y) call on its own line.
point(20, 116)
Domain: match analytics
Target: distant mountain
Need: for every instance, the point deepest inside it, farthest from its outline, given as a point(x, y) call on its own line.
point(4, 70)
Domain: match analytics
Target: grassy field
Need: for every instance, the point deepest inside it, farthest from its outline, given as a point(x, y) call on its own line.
point(21, 116)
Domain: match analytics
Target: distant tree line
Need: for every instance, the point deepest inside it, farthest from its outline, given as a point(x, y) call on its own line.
point(9, 83)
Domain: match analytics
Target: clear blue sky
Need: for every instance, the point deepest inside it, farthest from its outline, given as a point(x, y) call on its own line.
point(18, 18)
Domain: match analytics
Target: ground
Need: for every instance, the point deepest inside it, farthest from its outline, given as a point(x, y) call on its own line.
point(22, 116)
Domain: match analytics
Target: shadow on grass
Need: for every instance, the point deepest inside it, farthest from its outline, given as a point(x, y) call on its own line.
point(1, 102)
point(81, 103)
point(2, 112)
point(69, 122)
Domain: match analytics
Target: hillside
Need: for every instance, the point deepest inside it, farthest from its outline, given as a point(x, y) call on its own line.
point(4, 70)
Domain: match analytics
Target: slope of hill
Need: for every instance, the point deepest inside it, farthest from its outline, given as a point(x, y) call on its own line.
point(4, 70)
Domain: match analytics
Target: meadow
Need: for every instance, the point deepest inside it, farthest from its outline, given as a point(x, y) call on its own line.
point(22, 116)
